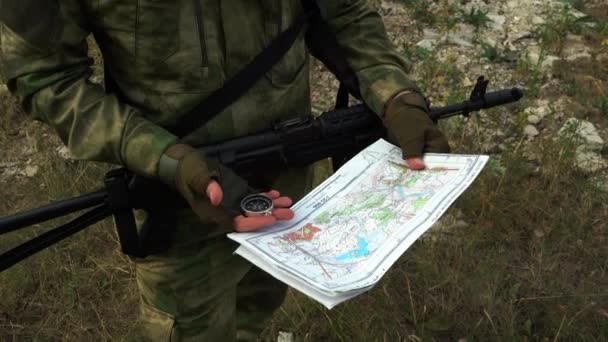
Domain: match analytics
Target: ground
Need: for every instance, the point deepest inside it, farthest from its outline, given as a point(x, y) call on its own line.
point(521, 256)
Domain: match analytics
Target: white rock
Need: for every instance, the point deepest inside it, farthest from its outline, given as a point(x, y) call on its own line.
point(498, 21)
point(579, 56)
point(534, 119)
point(64, 152)
point(460, 224)
point(530, 131)
point(575, 38)
point(285, 337)
point(521, 35)
point(575, 45)
point(586, 131)
point(513, 3)
point(540, 109)
point(589, 161)
point(577, 14)
point(536, 20)
point(31, 170)
point(431, 34)
point(533, 56)
point(460, 40)
point(466, 82)
point(490, 41)
point(428, 44)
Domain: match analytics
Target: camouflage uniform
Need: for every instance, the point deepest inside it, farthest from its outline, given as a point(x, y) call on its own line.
point(165, 57)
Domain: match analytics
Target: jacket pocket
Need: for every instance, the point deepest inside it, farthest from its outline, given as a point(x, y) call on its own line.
point(156, 325)
point(281, 14)
point(156, 31)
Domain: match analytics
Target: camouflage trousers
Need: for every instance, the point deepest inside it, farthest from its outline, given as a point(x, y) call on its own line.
point(200, 291)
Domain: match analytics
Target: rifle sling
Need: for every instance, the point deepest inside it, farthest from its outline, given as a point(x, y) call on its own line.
point(322, 44)
point(240, 83)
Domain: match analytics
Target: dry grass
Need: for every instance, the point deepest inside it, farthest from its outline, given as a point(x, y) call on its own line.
point(529, 265)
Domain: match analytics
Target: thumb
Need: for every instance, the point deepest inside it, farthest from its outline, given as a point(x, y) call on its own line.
point(214, 192)
point(415, 163)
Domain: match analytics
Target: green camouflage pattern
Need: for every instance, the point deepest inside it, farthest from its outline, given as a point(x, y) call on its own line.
point(199, 290)
point(165, 57)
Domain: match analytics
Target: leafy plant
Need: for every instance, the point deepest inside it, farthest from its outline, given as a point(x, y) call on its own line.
point(422, 12)
point(552, 34)
point(576, 4)
point(476, 17)
point(532, 72)
point(492, 53)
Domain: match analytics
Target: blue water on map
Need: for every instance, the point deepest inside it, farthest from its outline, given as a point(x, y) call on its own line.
point(401, 192)
point(361, 251)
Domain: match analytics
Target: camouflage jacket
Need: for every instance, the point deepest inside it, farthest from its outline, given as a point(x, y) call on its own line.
point(165, 57)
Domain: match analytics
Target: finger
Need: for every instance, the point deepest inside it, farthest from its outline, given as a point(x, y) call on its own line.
point(282, 202)
point(415, 163)
point(272, 194)
point(249, 224)
point(283, 214)
point(214, 192)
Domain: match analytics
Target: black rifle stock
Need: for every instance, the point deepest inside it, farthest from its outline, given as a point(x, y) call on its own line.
point(338, 134)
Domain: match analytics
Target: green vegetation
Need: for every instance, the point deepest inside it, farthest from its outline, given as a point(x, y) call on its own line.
point(476, 17)
point(421, 10)
point(552, 34)
point(371, 202)
point(323, 218)
point(420, 202)
point(530, 265)
point(81, 289)
point(492, 54)
point(383, 216)
point(533, 73)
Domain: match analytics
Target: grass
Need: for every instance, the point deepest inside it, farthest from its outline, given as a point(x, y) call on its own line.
point(529, 264)
point(561, 21)
point(422, 12)
point(81, 289)
point(533, 74)
point(477, 17)
point(492, 54)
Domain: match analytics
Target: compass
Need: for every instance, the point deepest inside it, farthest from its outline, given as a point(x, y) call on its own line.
point(257, 205)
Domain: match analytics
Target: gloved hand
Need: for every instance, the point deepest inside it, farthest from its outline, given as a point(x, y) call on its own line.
point(202, 182)
point(408, 123)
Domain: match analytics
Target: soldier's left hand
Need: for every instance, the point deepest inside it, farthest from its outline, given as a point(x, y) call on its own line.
point(408, 122)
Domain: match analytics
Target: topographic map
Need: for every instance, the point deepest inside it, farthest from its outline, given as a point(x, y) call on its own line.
point(350, 229)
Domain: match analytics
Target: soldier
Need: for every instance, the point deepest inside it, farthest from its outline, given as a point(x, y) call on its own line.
point(165, 57)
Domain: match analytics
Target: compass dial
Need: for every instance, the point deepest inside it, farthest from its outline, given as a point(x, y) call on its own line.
point(256, 205)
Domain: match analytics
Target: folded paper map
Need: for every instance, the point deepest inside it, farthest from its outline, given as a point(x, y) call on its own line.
point(349, 230)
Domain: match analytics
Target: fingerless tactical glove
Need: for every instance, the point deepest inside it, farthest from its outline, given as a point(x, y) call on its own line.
point(189, 172)
point(407, 121)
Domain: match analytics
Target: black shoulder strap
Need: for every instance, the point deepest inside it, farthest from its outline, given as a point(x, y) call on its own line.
point(323, 44)
point(240, 83)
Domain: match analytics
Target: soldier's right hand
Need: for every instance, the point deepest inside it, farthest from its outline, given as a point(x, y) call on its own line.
point(213, 191)
point(243, 223)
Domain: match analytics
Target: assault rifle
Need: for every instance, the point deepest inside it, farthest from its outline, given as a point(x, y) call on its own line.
point(338, 134)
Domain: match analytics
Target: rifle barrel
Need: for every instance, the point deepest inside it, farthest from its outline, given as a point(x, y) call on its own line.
point(489, 100)
point(51, 211)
